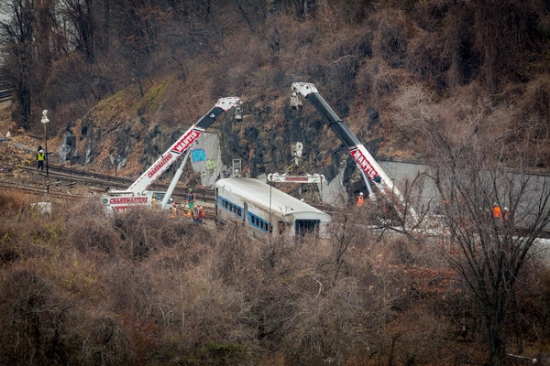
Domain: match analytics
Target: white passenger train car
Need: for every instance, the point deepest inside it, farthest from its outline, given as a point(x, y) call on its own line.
point(264, 209)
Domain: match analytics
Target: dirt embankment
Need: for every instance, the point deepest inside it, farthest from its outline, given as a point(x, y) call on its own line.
point(19, 148)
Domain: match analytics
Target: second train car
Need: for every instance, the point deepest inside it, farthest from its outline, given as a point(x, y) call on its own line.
point(264, 209)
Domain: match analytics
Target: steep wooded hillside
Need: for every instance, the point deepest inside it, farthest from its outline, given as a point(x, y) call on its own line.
point(459, 84)
point(120, 74)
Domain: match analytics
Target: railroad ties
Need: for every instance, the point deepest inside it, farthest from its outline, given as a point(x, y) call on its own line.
point(64, 180)
point(6, 89)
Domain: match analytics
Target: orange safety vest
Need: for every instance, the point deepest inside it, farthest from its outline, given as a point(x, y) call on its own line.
point(187, 213)
point(360, 201)
point(497, 212)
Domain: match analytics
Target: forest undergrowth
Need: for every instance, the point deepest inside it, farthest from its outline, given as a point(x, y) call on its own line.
point(80, 287)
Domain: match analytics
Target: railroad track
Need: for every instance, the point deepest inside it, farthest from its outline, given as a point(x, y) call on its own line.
point(98, 182)
point(6, 89)
point(62, 180)
point(36, 190)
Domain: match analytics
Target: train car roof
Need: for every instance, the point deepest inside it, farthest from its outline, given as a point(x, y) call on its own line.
point(257, 191)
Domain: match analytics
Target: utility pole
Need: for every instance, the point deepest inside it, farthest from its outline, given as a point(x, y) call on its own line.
point(45, 121)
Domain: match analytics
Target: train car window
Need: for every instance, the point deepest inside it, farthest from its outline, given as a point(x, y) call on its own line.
point(259, 223)
point(231, 207)
point(304, 227)
point(281, 227)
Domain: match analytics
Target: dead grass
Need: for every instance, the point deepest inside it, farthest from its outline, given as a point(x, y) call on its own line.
point(81, 287)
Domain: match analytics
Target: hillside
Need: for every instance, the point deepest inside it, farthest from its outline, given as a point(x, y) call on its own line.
point(390, 70)
point(462, 86)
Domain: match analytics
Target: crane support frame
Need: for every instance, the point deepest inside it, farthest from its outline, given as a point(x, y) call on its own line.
point(368, 165)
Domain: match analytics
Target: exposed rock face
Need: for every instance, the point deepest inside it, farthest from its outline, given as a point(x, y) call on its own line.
point(131, 146)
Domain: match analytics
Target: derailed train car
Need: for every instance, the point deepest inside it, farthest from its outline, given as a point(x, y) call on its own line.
point(264, 209)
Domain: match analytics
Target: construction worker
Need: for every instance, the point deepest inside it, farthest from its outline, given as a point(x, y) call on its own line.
point(191, 199)
point(360, 200)
point(187, 212)
point(40, 157)
point(174, 210)
point(496, 213)
point(196, 218)
point(505, 215)
point(154, 202)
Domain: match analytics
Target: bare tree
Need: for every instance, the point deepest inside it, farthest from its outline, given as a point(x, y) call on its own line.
point(80, 14)
point(489, 252)
point(18, 31)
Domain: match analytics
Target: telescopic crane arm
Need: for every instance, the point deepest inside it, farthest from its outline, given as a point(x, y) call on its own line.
point(184, 142)
point(362, 157)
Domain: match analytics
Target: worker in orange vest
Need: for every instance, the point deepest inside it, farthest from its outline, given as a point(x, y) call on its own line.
point(496, 212)
point(360, 200)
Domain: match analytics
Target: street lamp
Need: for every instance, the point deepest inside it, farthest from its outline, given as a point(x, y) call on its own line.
point(45, 121)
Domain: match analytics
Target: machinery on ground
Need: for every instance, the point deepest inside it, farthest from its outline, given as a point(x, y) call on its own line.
point(263, 209)
point(369, 167)
point(137, 194)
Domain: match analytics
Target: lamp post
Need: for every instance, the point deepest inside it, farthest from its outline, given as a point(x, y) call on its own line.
point(45, 121)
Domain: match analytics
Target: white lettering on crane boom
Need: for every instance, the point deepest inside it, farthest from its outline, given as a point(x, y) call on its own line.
point(187, 139)
point(296, 179)
point(363, 162)
point(180, 146)
point(158, 166)
point(120, 200)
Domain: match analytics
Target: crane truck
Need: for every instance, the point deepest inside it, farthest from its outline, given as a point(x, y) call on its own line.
point(137, 194)
point(368, 165)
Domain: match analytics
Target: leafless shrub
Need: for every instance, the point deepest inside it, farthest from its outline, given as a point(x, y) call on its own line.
point(32, 321)
point(234, 253)
point(13, 202)
point(376, 81)
point(426, 59)
point(348, 235)
point(391, 31)
point(107, 344)
point(144, 231)
point(534, 107)
point(210, 311)
point(89, 227)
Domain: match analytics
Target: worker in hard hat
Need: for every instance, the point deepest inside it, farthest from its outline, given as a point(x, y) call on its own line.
point(174, 210)
point(360, 200)
point(40, 157)
point(506, 215)
point(496, 213)
point(187, 212)
point(191, 199)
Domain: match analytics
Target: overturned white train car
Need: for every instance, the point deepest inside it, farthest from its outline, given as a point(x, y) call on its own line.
point(264, 209)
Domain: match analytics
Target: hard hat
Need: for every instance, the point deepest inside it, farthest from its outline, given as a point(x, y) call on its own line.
point(190, 189)
point(361, 193)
